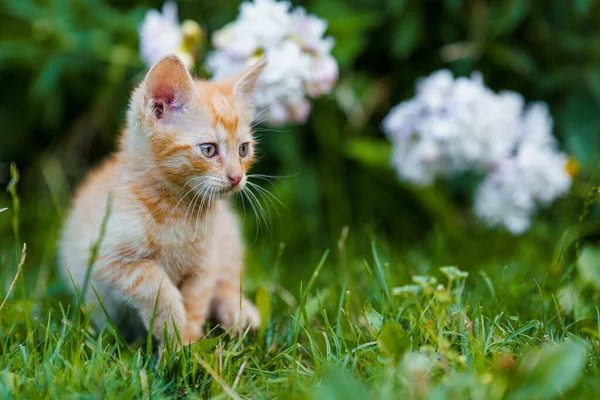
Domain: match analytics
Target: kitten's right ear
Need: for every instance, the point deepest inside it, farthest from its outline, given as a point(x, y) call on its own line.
point(244, 83)
point(167, 88)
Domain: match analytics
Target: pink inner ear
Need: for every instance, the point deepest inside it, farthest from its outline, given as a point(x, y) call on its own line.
point(161, 88)
point(162, 96)
point(168, 86)
point(168, 102)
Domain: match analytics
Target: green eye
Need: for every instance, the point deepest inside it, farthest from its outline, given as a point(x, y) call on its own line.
point(244, 148)
point(209, 150)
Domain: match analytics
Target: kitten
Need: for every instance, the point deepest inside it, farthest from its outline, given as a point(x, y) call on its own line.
point(186, 148)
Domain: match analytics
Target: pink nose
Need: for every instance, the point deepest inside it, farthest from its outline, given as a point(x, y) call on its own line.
point(234, 179)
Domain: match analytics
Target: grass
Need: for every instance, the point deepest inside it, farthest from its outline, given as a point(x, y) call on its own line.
point(360, 323)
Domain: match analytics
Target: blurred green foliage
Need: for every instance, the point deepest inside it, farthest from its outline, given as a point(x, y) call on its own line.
point(67, 68)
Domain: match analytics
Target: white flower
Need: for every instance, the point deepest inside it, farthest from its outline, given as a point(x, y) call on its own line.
point(264, 22)
point(471, 127)
point(538, 126)
point(459, 125)
point(453, 273)
point(223, 65)
point(417, 160)
point(280, 88)
point(434, 90)
point(424, 280)
point(323, 76)
point(309, 31)
point(510, 194)
point(535, 176)
point(299, 112)
point(299, 60)
point(161, 34)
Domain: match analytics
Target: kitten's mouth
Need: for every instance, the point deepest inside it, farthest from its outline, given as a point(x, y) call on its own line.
point(223, 191)
point(228, 191)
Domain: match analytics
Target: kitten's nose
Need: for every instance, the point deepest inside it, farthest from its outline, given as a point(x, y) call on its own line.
point(234, 179)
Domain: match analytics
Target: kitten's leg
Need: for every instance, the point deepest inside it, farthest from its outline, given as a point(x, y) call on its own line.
point(231, 308)
point(197, 292)
point(141, 282)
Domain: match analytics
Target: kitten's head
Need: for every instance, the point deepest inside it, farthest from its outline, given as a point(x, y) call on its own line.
point(197, 132)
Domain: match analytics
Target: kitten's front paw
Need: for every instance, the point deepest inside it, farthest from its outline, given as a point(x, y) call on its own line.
point(191, 333)
point(229, 315)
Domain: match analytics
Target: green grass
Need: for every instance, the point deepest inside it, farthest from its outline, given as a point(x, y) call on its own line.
point(361, 322)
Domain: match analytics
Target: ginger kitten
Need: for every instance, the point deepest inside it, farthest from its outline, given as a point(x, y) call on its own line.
point(186, 148)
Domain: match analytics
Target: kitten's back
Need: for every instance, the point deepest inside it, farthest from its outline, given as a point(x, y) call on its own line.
point(82, 227)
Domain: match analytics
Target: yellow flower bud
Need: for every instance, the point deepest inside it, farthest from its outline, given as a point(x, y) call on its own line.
point(193, 36)
point(572, 167)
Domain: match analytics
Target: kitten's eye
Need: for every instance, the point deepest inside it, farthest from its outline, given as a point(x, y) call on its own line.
point(209, 150)
point(244, 148)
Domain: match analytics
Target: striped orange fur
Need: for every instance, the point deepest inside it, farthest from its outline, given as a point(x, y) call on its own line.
point(171, 238)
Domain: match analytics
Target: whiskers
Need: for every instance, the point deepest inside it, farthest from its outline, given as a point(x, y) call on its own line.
point(205, 191)
point(261, 200)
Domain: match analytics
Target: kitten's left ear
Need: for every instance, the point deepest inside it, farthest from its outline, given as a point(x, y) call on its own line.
point(167, 87)
point(245, 82)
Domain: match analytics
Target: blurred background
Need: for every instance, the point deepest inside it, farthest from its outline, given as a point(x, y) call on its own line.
point(67, 68)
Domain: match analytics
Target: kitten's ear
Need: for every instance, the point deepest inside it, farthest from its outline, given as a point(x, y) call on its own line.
point(245, 82)
point(167, 87)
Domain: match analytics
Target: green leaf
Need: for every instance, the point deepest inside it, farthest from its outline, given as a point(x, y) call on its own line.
point(374, 319)
point(24, 9)
point(392, 340)
point(20, 52)
point(593, 83)
point(336, 385)
point(550, 372)
point(453, 6)
point(48, 79)
point(460, 386)
point(407, 35)
point(347, 50)
point(396, 6)
point(205, 346)
point(344, 18)
point(514, 58)
point(581, 7)
point(263, 303)
point(509, 15)
point(348, 25)
point(579, 120)
point(588, 266)
point(369, 152)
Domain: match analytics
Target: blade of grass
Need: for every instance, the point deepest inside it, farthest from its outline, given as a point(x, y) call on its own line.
point(383, 283)
point(96, 248)
point(14, 282)
point(108, 317)
point(301, 307)
point(228, 389)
